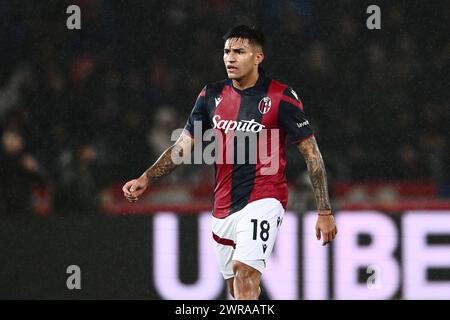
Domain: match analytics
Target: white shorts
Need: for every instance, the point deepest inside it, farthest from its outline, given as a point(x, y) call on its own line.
point(247, 235)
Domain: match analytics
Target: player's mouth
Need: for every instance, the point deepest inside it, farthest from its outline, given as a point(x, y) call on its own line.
point(231, 68)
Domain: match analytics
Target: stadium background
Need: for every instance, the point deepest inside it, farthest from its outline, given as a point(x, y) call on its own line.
point(82, 111)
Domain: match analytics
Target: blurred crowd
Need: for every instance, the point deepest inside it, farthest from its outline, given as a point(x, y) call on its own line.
point(85, 109)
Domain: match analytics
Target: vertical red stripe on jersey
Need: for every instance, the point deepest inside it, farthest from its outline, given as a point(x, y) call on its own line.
point(227, 109)
point(269, 186)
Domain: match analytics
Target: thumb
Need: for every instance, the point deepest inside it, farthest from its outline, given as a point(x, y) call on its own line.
point(133, 187)
point(317, 233)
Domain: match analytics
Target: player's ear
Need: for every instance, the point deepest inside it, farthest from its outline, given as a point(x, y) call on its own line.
point(259, 57)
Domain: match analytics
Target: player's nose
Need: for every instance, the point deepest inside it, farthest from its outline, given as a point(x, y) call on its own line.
point(231, 58)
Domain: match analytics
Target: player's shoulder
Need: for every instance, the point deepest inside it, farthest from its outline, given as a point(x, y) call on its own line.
point(214, 88)
point(285, 90)
point(288, 96)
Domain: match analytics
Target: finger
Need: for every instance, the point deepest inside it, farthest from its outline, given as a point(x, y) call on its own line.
point(326, 239)
point(126, 188)
point(131, 197)
point(125, 191)
point(331, 236)
point(135, 193)
point(133, 187)
point(318, 233)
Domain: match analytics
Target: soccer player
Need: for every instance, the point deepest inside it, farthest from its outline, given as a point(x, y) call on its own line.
point(249, 203)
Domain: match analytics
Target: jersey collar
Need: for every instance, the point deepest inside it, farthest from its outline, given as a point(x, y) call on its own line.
point(256, 88)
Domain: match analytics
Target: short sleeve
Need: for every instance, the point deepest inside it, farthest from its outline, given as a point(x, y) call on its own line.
point(292, 118)
point(198, 114)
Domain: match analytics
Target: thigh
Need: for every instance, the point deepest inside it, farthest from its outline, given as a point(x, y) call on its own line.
point(223, 232)
point(257, 229)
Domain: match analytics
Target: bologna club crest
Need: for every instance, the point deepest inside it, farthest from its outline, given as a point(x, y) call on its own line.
point(264, 105)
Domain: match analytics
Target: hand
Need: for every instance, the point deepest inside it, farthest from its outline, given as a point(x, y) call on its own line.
point(326, 228)
point(134, 188)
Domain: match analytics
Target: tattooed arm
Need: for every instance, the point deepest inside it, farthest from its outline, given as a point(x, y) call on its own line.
point(318, 176)
point(166, 163)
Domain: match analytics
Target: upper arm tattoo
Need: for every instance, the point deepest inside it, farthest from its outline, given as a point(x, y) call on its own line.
point(317, 173)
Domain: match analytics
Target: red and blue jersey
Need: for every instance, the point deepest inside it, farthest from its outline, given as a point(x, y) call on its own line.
point(269, 110)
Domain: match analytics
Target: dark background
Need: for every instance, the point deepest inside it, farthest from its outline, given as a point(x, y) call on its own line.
point(90, 109)
point(378, 99)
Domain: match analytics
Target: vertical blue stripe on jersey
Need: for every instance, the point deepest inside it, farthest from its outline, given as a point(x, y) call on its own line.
point(243, 176)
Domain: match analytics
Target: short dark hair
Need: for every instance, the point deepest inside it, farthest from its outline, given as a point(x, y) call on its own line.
point(254, 35)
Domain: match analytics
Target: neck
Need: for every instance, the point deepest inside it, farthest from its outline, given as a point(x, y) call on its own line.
point(248, 81)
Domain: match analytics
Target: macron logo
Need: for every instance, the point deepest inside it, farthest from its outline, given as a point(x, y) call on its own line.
point(302, 124)
point(218, 100)
point(294, 94)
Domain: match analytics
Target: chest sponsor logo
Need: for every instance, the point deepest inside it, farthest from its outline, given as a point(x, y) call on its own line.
point(243, 125)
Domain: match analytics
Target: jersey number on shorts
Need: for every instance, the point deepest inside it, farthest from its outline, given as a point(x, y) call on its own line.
point(265, 227)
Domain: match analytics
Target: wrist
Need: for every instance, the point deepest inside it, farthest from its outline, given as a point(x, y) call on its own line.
point(145, 178)
point(325, 213)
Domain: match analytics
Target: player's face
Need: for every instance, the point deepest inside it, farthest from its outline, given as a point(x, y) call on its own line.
point(241, 58)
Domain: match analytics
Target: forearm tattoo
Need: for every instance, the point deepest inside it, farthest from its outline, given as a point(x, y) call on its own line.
point(317, 173)
point(164, 165)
